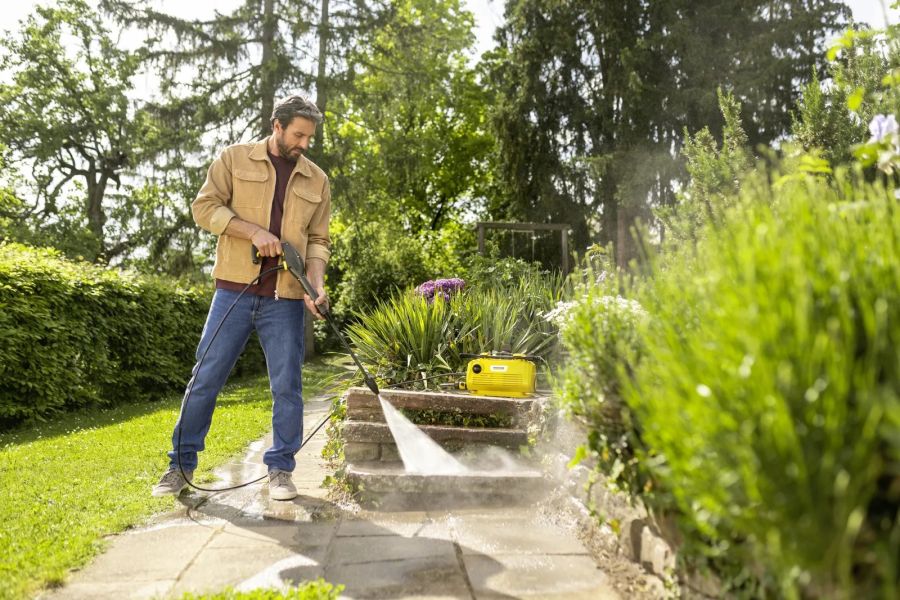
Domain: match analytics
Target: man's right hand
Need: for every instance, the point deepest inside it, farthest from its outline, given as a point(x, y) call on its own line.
point(266, 243)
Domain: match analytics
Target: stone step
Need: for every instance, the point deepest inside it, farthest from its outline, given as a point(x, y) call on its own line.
point(374, 441)
point(387, 486)
point(363, 405)
point(450, 438)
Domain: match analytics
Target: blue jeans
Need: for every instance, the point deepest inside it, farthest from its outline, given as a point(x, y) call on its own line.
point(279, 324)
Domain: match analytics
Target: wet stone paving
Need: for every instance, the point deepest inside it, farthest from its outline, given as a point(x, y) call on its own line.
point(244, 540)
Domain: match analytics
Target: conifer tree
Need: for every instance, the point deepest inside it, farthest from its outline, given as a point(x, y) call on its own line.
point(595, 97)
point(226, 72)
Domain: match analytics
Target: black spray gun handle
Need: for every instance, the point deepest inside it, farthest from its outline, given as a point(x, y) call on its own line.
point(292, 261)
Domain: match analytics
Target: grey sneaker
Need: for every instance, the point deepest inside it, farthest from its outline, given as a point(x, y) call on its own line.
point(172, 482)
point(281, 487)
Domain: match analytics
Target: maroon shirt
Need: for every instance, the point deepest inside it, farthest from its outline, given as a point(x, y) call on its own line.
point(283, 170)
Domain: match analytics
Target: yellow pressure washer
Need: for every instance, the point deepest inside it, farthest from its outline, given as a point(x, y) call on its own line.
point(501, 374)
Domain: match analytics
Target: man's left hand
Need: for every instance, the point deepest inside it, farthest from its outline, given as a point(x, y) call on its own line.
point(322, 301)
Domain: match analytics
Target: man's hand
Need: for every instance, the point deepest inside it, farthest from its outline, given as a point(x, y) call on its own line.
point(266, 243)
point(315, 272)
point(322, 301)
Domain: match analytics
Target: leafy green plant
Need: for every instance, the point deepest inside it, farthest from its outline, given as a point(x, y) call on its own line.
point(715, 174)
point(311, 590)
point(506, 272)
point(767, 396)
point(505, 320)
point(599, 331)
point(406, 336)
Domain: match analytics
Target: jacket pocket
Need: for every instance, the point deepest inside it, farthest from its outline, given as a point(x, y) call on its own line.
point(307, 195)
point(305, 203)
point(249, 188)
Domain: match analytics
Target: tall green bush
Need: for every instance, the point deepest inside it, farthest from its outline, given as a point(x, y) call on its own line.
point(769, 391)
point(371, 261)
point(599, 330)
point(72, 334)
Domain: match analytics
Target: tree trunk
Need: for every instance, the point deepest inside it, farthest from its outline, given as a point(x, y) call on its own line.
point(609, 224)
point(626, 244)
point(322, 74)
point(269, 68)
point(96, 189)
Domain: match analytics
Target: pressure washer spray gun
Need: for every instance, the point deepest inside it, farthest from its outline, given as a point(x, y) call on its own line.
point(292, 262)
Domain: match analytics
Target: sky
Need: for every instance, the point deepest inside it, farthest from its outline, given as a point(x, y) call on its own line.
point(488, 13)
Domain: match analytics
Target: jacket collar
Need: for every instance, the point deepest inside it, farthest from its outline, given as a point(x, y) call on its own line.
point(258, 152)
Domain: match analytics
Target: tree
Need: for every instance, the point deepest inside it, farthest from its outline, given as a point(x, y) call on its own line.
point(595, 97)
point(66, 116)
point(412, 139)
point(410, 150)
point(225, 73)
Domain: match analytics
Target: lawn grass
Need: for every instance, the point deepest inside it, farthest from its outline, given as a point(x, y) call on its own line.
point(311, 590)
point(88, 474)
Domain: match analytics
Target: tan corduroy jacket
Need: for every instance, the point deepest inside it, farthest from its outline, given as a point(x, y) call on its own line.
point(241, 183)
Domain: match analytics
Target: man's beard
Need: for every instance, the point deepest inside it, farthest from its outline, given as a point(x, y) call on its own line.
point(286, 152)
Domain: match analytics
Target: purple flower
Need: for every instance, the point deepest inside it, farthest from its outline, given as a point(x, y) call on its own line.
point(453, 284)
point(444, 287)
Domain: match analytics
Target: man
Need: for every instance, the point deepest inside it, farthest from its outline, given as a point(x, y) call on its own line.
point(259, 193)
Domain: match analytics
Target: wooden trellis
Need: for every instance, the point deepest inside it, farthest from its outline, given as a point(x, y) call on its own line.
point(562, 228)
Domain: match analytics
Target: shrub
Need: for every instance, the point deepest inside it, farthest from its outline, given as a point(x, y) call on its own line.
point(72, 334)
point(406, 336)
point(600, 333)
point(768, 392)
point(371, 261)
point(507, 320)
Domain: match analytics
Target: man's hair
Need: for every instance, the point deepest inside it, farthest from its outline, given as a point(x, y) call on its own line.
point(295, 106)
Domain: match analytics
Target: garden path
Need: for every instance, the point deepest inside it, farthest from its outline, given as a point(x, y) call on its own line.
point(243, 540)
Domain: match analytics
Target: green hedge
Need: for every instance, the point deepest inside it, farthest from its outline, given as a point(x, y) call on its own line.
point(73, 334)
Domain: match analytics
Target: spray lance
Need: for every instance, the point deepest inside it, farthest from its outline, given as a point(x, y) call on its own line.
point(292, 262)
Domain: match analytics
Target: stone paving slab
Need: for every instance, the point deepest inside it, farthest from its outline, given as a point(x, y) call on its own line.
point(537, 576)
point(114, 591)
point(366, 549)
point(413, 577)
point(216, 568)
point(373, 523)
point(170, 549)
point(495, 534)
